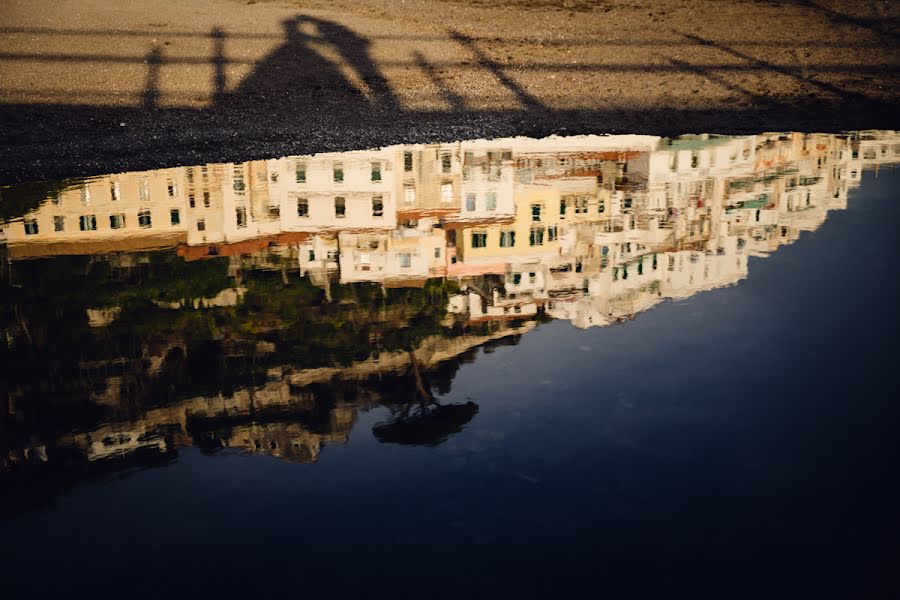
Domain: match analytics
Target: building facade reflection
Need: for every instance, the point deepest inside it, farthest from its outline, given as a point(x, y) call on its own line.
point(314, 287)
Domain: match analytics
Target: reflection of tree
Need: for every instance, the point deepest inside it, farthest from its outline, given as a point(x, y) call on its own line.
point(425, 424)
point(55, 362)
point(164, 369)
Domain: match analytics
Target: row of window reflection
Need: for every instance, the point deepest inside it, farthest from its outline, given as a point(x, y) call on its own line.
point(115, 192)
point(492, 167)
point(508, 237)
point(340, 207)
point(89, 222)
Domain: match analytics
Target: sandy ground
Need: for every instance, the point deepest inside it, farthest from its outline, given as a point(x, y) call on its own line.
point(93, 86)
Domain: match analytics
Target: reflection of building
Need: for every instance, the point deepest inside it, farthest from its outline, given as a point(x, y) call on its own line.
point(587, 228)
point(591, 230)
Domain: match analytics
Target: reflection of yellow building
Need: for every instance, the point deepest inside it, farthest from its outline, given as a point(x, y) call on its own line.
point(128, 211)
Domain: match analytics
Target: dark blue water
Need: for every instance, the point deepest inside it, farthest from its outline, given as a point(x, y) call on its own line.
point(742, 442)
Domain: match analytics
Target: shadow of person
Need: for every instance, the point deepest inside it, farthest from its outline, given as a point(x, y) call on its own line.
point(320, 65)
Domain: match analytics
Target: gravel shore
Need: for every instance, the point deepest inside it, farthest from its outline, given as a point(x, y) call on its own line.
point(102, 86)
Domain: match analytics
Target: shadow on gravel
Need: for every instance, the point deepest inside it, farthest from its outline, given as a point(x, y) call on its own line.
point(321, 90)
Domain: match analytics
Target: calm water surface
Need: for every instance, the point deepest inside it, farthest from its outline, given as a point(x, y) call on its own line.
point(607, 366)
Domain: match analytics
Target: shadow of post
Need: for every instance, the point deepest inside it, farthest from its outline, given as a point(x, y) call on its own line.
point(150, 97)
point(219, 62)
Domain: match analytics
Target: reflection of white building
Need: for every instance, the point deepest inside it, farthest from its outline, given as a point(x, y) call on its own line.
point(590, 229)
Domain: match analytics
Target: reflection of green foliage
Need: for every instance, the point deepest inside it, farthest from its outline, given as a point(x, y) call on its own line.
point(168, 278)
point(19, 200)
point(74, 283)
point(283, 319)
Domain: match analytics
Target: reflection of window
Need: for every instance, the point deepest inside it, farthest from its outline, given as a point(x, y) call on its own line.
point(535, 212)
point(377, 206)
point(201, 225)
point(437, 252)
point(85, 195)
point(144, 219)
point(407, 161)
point(517, 278)
point(206, 199)
point(191, 201)
point(507, 238)
point(241, 216)
point(479, 239)
point(409, 194)
point(447, 192)
point(31, 227)
point(312, 255)
point(302, 207)
point(59, 223)
point(116, 221)
point(601, 206)
point(537, 236)
point(491, 203)
point(337, 172)
point(238, 178)
point(376, 171)
point(87, 222)
point(581, 205)
point(340, 207)
point(172, 189)
point(405, 260)
point(114, 191)
point(445, 162)
point(175, 216)
point(552, 234)
point(300, 173)
point(470, 202)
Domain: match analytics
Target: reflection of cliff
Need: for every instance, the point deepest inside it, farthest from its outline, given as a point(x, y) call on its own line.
point(291, 416)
